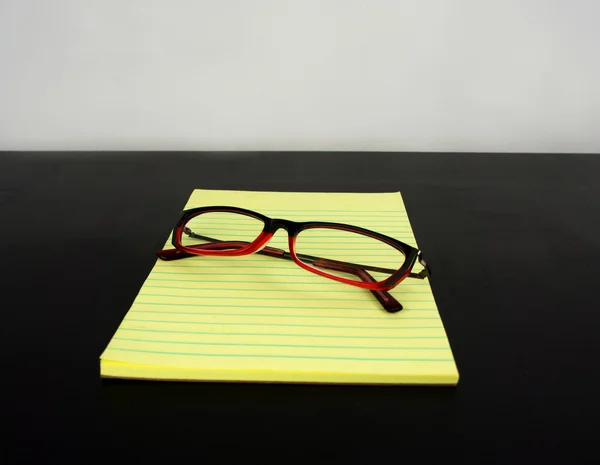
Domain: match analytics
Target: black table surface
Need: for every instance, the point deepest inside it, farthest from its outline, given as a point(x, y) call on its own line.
point(514, 243)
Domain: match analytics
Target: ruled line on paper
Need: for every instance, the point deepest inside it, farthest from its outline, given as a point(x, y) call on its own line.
point(387, 328)
point(279, 315)
point(269, 290)
point(304, 346)
point(307, 282)
point(211, 222)
point(279, 299)
point(284, 305)
point(285, 356)
point(298, 335)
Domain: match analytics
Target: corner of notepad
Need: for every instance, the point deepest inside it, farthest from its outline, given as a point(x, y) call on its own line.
point(125, 370)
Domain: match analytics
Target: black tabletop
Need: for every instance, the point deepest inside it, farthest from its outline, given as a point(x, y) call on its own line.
point(513, 241)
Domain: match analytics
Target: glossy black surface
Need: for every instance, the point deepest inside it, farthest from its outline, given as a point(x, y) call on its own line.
point(514, 242)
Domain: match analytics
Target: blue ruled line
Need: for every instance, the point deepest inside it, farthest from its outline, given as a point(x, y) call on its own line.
point(327, 336)
point(234, 344)
point(285, 356)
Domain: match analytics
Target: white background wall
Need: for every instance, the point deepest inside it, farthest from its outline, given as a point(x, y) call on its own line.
point(444, 75)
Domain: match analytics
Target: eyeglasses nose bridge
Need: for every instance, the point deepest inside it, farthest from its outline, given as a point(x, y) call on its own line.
point(276, 224)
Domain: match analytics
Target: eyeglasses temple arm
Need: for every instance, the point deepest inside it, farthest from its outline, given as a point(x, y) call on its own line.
point(277, 253)
point(170, 254)
point(388, 302)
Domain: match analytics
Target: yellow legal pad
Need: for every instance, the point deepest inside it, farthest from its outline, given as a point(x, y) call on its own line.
point(256, 318)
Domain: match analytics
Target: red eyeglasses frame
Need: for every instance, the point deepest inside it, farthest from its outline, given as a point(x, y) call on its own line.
point(272, 225)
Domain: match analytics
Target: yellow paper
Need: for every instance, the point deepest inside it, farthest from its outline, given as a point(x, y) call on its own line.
point(257, 318)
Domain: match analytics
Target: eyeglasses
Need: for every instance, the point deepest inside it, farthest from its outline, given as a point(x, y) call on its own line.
point(344, 253)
